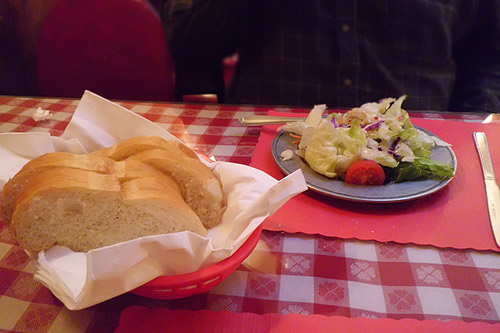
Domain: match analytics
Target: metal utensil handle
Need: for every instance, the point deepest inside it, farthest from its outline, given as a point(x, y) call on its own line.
point(267, 120)
point(484, 154)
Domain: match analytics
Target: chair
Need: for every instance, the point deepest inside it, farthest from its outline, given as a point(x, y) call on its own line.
point(115, 48)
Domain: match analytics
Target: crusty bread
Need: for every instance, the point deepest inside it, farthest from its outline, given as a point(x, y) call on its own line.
point(142, 186)
point(123, 171)
point(127, 148)
point(45, 162)
point(84, 210)
point(201, 189)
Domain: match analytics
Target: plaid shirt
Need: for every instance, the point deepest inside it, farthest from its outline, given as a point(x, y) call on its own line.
point(444, 54)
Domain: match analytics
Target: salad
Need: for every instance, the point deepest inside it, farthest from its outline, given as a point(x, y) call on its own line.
point(373, 144)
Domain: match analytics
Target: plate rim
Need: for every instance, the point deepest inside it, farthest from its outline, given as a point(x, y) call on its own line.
point(392, 199)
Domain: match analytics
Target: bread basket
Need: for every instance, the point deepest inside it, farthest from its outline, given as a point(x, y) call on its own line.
point(184, 285)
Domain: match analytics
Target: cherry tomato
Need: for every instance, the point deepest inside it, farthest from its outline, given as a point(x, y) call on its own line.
point(365, 173)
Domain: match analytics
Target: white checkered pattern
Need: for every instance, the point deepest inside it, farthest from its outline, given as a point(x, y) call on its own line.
point(287, 273)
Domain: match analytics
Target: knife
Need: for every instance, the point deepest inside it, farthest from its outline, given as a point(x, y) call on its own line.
point(492, 190)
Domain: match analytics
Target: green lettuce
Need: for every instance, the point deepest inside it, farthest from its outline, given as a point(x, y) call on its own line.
point(422, 168)
point(410, 136)
point(332, 150)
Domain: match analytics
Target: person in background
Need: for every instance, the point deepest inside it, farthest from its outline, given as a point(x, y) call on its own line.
point(13, 78)
point(20, 24)
point(444, 54)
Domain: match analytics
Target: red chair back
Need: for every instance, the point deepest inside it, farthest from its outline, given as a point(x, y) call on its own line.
point(115, 48)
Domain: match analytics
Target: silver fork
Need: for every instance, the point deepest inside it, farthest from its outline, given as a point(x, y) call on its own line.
point(268, 120)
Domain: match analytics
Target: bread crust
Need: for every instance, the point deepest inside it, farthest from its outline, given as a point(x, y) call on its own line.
point(16, 185)
point(84, 210)
point(127, 148)
point(201, 189)
point(142, 186)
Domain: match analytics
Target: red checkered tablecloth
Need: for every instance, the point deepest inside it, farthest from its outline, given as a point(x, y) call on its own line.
point(287, 273)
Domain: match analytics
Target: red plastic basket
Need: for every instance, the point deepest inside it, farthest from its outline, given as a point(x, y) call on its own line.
point(184, 285)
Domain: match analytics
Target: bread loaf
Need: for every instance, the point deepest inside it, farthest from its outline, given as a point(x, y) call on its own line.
point(16, 185)
point(201, 189)
point(137, 188)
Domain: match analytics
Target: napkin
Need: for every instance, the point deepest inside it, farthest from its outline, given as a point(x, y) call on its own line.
point(81, 280)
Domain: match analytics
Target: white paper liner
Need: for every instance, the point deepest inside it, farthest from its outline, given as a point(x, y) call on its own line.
point(81, 280)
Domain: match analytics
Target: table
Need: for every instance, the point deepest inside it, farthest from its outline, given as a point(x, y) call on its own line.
point(287, 273)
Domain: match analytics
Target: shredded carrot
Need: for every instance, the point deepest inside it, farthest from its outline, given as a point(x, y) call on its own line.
point(295, 136)
point(296, 142)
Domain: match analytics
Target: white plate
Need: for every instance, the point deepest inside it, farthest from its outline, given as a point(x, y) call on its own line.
point(395, 192)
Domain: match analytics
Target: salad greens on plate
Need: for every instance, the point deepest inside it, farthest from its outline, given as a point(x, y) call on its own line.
point(380, 132)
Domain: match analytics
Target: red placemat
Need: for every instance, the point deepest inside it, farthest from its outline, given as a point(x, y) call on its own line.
point(457, 216)
point(141, 319)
